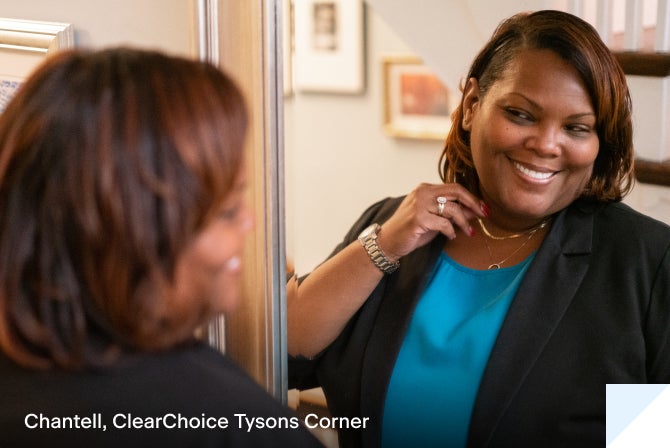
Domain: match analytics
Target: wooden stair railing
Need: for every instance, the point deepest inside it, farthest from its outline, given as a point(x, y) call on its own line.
point(655, 65)
point(656, 173)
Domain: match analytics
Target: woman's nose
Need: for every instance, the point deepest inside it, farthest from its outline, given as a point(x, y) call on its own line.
point(545, 140)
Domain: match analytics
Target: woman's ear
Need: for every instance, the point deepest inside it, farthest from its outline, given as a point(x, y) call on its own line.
point(470, 102)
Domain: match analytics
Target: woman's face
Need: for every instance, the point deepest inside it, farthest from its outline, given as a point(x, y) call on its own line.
point(210, 268)
point(533, 137)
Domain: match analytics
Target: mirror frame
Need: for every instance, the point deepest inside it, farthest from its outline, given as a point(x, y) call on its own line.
point(244, 38)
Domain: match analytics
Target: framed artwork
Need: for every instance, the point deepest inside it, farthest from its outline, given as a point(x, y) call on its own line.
point(23, 46)
point(416, 103)
point(328, 44)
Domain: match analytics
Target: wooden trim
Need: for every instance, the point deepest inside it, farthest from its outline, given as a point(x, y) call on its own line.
point(255, 332)
point(655, 173)
point(638, 63)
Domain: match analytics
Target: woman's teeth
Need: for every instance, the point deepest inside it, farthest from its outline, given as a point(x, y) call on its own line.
point(534, 174)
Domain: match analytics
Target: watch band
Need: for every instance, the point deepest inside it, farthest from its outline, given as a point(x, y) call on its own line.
point(368, 239)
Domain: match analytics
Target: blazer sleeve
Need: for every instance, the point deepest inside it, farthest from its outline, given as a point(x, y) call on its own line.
point(301, 370)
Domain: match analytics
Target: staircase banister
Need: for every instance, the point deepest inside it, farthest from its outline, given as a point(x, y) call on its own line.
point(640, 63)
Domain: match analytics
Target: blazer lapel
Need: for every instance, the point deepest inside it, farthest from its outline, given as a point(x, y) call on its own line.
point(395, 312)
point(543, 297)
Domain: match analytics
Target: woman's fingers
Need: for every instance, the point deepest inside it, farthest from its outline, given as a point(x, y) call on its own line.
point(429, 209)
point(455, 193)
point(455, 206)
point(454, 215)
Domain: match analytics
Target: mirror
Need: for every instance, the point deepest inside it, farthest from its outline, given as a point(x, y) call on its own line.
point(338, 157)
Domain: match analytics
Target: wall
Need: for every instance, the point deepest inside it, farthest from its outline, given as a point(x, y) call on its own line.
point(162, 24)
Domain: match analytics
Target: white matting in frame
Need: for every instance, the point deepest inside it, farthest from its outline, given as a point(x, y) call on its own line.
point(329, 41)
point(24, 44)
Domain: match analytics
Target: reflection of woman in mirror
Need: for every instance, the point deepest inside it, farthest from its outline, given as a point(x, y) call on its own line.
point(122, 221)
point(493, 309)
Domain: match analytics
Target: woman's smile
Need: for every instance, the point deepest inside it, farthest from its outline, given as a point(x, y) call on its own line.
point(534, 174)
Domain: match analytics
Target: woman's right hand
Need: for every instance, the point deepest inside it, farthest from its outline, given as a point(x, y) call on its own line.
point(416, 221)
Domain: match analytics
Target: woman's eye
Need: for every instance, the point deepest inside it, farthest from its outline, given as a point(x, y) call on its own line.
point(518, 115)
point(579, 129)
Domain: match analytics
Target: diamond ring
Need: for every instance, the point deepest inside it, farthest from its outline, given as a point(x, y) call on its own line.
point(441, 201)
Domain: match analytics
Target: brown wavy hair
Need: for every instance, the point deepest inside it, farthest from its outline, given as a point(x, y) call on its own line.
point(110, 163)
point(577, 43)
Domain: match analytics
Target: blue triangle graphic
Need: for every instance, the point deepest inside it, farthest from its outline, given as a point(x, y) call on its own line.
point(625, 402)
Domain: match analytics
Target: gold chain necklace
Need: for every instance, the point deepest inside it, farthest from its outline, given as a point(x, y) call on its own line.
point(530, 234)
point(532, 230)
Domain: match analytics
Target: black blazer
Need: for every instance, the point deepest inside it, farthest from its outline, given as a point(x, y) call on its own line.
point(593, 309)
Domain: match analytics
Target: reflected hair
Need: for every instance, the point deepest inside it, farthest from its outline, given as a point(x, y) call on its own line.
point(110, 163)
point(579, 44)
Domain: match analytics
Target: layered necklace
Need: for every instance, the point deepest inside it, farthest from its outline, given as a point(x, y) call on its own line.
point(529, 234)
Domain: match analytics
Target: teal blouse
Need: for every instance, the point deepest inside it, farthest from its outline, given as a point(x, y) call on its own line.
point(441, 361)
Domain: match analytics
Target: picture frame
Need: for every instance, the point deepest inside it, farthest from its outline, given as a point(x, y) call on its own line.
point(288, 45)
point(417, 104)
point(329, 46)
point(24, 44)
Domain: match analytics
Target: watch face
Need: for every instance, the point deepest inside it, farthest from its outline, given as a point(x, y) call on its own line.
point(369, 231)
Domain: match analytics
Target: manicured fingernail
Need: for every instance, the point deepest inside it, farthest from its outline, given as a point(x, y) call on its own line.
point(471, 231)
point(485, 209)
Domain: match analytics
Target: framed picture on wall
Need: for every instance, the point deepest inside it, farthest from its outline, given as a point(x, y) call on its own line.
point(24, 45)
point(328, 44)
point(416, 102)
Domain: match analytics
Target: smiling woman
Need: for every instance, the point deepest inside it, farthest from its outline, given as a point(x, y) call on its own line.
point(498, 284)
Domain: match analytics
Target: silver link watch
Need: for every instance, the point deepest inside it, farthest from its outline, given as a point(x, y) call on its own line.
point(368, 239)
